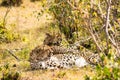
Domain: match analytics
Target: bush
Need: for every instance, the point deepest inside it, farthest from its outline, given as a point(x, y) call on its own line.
point(11, 2)
point(7, 35)
point(8, 74)
point(66, 19)
point(110, 71)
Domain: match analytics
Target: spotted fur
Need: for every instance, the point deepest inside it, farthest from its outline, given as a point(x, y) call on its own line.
point(53, 56)
point(45, 51)
point(64, 61)
point(40, 53)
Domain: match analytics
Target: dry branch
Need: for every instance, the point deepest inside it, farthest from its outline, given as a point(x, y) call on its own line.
point(76, 8)
point(11, 52)
point(90, 25)
point(4, 19)
point(107, 24)
point(91, 29)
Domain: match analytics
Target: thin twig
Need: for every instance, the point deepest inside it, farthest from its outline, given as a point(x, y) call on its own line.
point(91, 30)
point(4, 19)
point(76, 8)
point(107, 24)
point(11, 52)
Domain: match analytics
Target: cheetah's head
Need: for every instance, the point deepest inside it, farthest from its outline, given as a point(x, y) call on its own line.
point(51, 40)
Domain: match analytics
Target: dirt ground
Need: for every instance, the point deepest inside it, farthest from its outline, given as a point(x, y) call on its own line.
point(25, 21)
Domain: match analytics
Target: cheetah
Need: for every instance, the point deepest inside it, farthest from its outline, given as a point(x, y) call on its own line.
point(52, 56)
point(64, 61)
point(43, 52)
point(40, 53)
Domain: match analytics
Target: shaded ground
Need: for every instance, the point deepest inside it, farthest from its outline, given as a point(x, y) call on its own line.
point(25, 21)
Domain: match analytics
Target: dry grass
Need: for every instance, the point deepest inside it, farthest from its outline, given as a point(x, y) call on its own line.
point(71, 74)
point(24, 21)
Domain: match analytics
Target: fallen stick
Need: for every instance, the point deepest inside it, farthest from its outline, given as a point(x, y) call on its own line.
point(11, 52)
